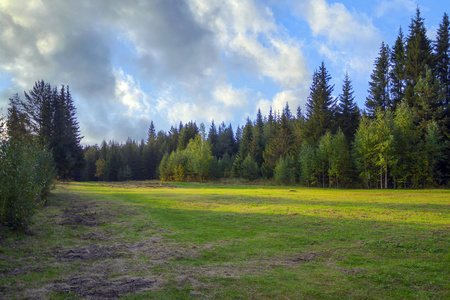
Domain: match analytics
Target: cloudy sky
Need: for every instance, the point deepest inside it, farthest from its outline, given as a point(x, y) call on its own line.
point(130, 62)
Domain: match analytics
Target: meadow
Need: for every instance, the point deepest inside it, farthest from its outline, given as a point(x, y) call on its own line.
point(139, 240)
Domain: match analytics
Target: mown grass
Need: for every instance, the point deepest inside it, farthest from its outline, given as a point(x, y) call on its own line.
point(248, 242)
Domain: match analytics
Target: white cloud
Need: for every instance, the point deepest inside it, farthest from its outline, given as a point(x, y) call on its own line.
point(129, 93)
point(346, 38)
point(294, 98)
point(250, 33)
point(228, 96)
point(395, 6)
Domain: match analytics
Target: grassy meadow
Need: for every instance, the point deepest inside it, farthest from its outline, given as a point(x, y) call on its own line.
point(150, 240)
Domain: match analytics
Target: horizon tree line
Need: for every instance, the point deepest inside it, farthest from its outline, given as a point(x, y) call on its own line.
point(400, 139)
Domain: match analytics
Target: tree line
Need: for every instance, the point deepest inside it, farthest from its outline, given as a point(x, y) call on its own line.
point(400, 139)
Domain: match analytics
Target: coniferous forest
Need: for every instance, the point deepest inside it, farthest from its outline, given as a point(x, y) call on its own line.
point(399, 139)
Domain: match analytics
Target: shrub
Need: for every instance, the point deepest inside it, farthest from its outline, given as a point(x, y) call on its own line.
point(26, 175)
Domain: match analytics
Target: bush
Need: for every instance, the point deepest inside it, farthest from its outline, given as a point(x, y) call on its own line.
point(26, 175)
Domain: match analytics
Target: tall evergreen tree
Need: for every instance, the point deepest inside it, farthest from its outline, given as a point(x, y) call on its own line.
point(397, 74)
point(442, 65)
point(38, 107)
point(379, 84)
point(320, 107)
point(247, 137)
point(51, 117)
point(429, 95)
point(348, 112)
point(66, 138)
point(16, 121)
point(281, 145)
point(418, 55)
point(213, 138)
point(257, 146)
point(188, 132)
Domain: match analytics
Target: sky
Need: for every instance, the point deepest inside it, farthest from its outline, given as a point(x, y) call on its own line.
point(131, 62)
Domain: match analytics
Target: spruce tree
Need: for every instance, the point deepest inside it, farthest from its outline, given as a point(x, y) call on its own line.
point(442, 64)
point(247, 137)
point(379, 84)
point(16, 120)
point(281, 145)
point(72, 164)
point(397, 74)
point(213, 138)
point(38, 108)
point(320, 107)
point(257, 146)
point(348, 112)
point(418, 55)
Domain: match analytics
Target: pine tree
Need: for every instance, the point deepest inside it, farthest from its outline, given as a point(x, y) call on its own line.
point(320, 107)
point(418, 55)
point(379, 84)
point(38, 108)
point(247, 137)
point(17, 121)
point(67, 136)
point(348, 112)
point(280, 145)
point(226, 141)
point(429, 96)
point(257, 145)
point(442, 65)
point(213, 138)
point(397, 74)
point(188, 132)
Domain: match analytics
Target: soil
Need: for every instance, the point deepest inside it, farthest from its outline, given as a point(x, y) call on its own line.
point(91, 287)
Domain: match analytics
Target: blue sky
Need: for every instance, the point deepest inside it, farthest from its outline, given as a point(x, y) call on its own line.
point(130, 62)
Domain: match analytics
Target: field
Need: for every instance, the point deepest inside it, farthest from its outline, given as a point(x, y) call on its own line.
point(160, 241)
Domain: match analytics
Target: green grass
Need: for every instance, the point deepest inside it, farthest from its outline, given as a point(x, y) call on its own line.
point(146, 240)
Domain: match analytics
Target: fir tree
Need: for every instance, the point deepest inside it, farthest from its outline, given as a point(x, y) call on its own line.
point(397, 74)
point(418, 55)
point(379, 84)
point(213, 138)
point(257, 146)
point(320, 107)
point(16, 121)
point(280, 145)
point(442, 64)
point(247, 137)
point(348, 112)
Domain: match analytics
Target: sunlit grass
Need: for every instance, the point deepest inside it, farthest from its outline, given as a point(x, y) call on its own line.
point(428, 207)
point(260, 242)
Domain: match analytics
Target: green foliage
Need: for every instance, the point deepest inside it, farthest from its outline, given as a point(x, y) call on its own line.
point(307, 160)
point(348, 112)
point(379, 97)
point(192, 163)
point(363, 151)
point(418, 56)
point(340, 165)
point(249, 168)
point(26, 174)
point(50, 117)
point(320, 107)
point(285, 171)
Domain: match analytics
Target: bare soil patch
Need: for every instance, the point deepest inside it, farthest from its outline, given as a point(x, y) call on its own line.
point(91, 287)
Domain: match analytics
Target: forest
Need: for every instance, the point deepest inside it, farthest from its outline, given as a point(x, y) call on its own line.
point(400, 139)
